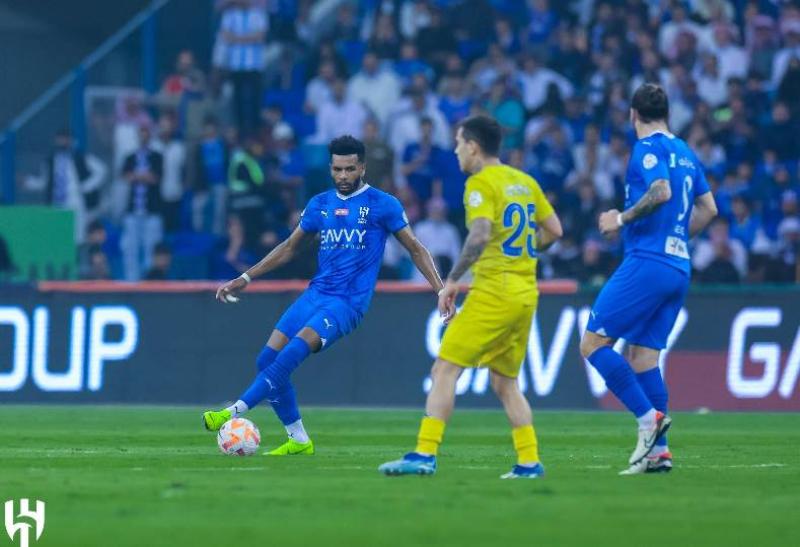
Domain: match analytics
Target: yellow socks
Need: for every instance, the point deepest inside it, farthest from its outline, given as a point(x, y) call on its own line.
point(525, 444)
point(430, 435)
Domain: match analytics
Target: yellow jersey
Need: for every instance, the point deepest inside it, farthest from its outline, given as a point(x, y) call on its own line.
point(515, 204)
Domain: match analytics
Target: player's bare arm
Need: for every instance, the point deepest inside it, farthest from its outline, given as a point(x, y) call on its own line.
point(424, 262)
point(480, 232)
point(549, 231)
point(703, 212)
point(276, 258)
point(658, 193)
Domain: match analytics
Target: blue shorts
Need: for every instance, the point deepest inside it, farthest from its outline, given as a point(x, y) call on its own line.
point(330, 316)
point(640, 303)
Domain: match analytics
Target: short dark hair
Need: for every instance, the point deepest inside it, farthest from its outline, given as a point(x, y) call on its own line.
point(485, 131)
point(651, 103)
point(347, 145)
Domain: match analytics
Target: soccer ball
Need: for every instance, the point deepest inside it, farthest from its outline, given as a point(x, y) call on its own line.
point(238, 437)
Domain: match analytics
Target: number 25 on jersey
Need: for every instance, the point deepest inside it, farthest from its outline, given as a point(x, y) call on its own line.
point(515, 216)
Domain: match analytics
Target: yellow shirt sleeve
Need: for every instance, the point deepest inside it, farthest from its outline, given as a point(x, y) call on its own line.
point(543, 207)
point(479, 199)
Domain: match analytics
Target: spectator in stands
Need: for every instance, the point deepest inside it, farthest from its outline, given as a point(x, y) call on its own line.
point(439, 236)
point(376, 88)
point(780, 134)
point(162, 264)
point(506, 36)
point(143, 225)
point(745, 226)
point(71, 180)
point(187, 78)
point(247, 188)
point(712, 85)
point(239, 52)
point(98, 268)
point(289, 164)
point(455, 103)
point(232, 256)
point(210, 179)
point(542, 21)
point(486, 70)
point(790, 50)
point(339, 115)
point(385, 41)
point(720, 259)
point(502, 105)
point(379, 158)
point(421, 162)
point(410, 64)
point(436, 41)
point(785, 266)
point(535, 79)
point(592, 163)
point(173, 151)
point(762, 45)
point(320, 89)
point(733, 60)
point(98, 242)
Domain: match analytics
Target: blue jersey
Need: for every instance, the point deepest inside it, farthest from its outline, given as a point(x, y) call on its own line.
point(663, 235)
point(353, 231)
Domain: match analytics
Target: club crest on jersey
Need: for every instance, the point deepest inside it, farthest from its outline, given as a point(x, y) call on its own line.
point(475, 198)
point(362, 215)
point(649, 161)
point(341, 212)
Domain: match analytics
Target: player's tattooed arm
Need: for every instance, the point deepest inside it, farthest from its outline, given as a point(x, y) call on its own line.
point(479, 233)
point(658, 193)
point(420, 256)
point(703, 212)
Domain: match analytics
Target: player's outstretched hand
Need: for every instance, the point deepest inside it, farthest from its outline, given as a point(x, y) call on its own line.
point(227, 292)
point(447, 301)
point(608, 222)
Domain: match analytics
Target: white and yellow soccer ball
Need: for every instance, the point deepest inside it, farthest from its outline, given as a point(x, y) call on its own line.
point(238, 437)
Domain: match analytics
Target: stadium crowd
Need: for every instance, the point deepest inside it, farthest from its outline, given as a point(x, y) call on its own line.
point(213, 172)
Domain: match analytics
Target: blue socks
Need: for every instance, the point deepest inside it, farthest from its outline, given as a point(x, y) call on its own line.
point(620, 379)
point(654, 388)
point(273, 382)
point(265, 358)
point(284, 403)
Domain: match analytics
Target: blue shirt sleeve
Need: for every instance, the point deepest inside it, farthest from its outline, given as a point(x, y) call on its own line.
point(394, 217)
point(310, 219)
point(652, 162)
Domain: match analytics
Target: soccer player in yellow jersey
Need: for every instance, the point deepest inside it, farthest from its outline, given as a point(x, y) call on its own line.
point(509, 222)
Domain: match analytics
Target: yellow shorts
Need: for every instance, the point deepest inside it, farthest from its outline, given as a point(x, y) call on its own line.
point(490, 332)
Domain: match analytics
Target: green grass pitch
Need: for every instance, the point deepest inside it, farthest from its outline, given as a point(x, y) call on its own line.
point(151, 476)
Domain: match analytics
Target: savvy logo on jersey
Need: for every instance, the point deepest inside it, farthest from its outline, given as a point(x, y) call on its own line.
point(342, 235)
point(23, 528)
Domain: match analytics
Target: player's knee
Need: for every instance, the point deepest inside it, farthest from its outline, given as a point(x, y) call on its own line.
point(444, 371)
point(590, 344)
point(502, 385)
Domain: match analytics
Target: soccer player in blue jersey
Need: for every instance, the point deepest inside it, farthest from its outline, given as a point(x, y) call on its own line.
point(352, 223)
point(667, 201)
